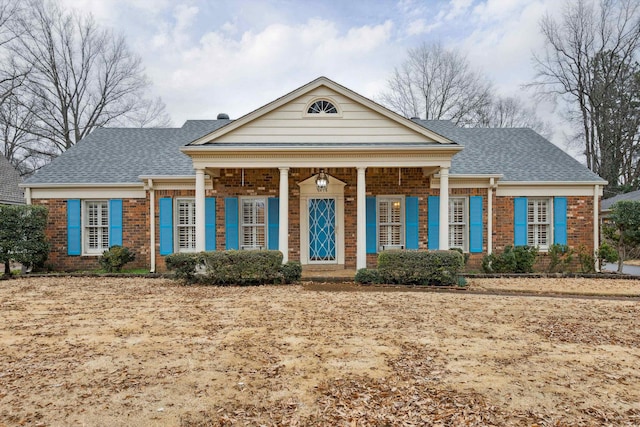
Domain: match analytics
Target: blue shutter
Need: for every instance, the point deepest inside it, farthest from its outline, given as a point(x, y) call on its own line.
point(371, 226)
point(210, 224)
point(433, 222)
point(411, 222)
point(520, 221)
point(560, 220)
point(166, 225)
point(273, 216)
point(475, 224)
point(115, 222)
point(74, 235)
point(231, 222)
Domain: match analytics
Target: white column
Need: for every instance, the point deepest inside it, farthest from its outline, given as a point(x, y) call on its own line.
point(152, 225)
point(27, 195)
point(443, 244)
point(361, 235)
point(200, 213)
point(490, 216)
point(283, 226)
point(596, 225)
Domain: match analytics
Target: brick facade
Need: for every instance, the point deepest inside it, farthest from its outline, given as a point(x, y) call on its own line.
point(265, 182)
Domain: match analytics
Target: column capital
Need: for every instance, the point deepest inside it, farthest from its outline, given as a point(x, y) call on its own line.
point(284, 169)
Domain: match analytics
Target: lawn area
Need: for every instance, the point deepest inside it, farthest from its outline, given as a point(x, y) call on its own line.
point(148, 352)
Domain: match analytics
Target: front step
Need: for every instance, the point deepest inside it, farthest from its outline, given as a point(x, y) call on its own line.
point(327, 273)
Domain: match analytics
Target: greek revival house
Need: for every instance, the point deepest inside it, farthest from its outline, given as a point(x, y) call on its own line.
point(322, 174)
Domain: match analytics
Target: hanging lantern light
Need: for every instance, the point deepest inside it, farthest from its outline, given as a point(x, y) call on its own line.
point(322, 181)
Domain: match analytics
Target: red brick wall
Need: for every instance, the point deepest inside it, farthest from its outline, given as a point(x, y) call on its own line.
point(265, 182)
point(135, 235)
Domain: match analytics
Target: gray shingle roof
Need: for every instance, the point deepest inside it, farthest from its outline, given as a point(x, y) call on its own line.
point(9, 179)
point(519, 154)
point(120, 155)
point(608, 203)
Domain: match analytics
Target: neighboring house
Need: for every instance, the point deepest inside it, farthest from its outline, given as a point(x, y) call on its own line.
point(607, 204)
point(323, 174)
point(10, 193)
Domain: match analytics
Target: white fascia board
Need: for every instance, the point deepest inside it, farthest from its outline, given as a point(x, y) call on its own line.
point(168, 177)
point(547, 189)
point(370, 150)
point(81, 185)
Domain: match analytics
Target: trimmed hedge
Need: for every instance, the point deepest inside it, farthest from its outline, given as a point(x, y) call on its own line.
point(291, 272)
point(230, 267)
point(115, 258)
point(420, 267)
point(367, 276)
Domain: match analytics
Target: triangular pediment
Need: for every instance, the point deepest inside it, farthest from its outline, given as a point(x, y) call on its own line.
point(355, 120)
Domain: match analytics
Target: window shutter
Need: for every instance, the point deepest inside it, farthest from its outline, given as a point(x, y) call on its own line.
point(273, 216)
point(475, 224)
point(115, 222)
point(74, 233)
point(560, 220)
point(210, 224)
point(411, 222)
point(433, 221)
point(166, 225)
point(520, 221)
point(371, 225)
point(231, 222)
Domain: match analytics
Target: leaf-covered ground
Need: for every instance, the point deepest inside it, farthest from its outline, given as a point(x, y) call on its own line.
point(111, 351)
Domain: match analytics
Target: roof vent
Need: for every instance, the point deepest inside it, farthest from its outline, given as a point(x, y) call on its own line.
point(223, 116)
point(414, 118)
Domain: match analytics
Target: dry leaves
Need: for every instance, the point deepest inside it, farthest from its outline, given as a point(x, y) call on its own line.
point(148, 352)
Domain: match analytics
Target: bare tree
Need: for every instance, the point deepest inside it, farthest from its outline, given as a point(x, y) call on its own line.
point(510, 112)
point(587, 52)
point(81, 77)
point(435, 83)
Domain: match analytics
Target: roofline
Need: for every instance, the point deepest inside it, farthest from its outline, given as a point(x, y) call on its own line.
point(171, 177)
point(345, 148)
point(320, 81)
point(79, 184)
point(541, 183)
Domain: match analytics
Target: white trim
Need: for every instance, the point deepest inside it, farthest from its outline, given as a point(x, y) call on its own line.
point(27, 195)
point(83, 185)
point(200, 211)
point(544, 190)
point(596, 225)
point(550, 222)
point(308, 190)
point(465, 212)
point(96, 193)
point(83, 222)
point(176, 218)
point(443, 227)
point(337, 114)
point(403, 235)
point(152, 224)
point(361, 219)
point(242, 224)
point(283, 212)
point(490, 216)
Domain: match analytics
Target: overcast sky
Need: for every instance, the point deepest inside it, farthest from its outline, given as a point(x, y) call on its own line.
point(233, 56)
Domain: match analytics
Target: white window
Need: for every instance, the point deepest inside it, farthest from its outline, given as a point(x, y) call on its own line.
point(186, 225)
point(539, 223)
point(322, 106)
point(253, 221)
point(390, 222)
point(96, 226)
point(458, 223)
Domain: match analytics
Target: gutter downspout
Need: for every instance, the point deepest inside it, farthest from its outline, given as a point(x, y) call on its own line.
point(27, 195)
point(492, 185)
point(596, 225)
point(152, 224)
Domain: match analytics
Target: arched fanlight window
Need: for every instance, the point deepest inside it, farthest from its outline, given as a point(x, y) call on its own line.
point(322, 106)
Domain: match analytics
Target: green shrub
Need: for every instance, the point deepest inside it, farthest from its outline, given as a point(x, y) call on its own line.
point(466, 255)
point(184, 265)
point(115, 258)
point(291, 272)
point(228, 267)
point(22, 236)
point(607, 253)
point(560, 258)
point(367, 276)
point(587, 260)
point(512, 260)
point(420, 267)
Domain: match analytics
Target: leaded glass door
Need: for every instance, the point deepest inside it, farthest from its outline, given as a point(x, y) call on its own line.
point(322, 230)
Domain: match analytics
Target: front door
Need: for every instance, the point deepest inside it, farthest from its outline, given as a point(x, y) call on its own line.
point(322, 230)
